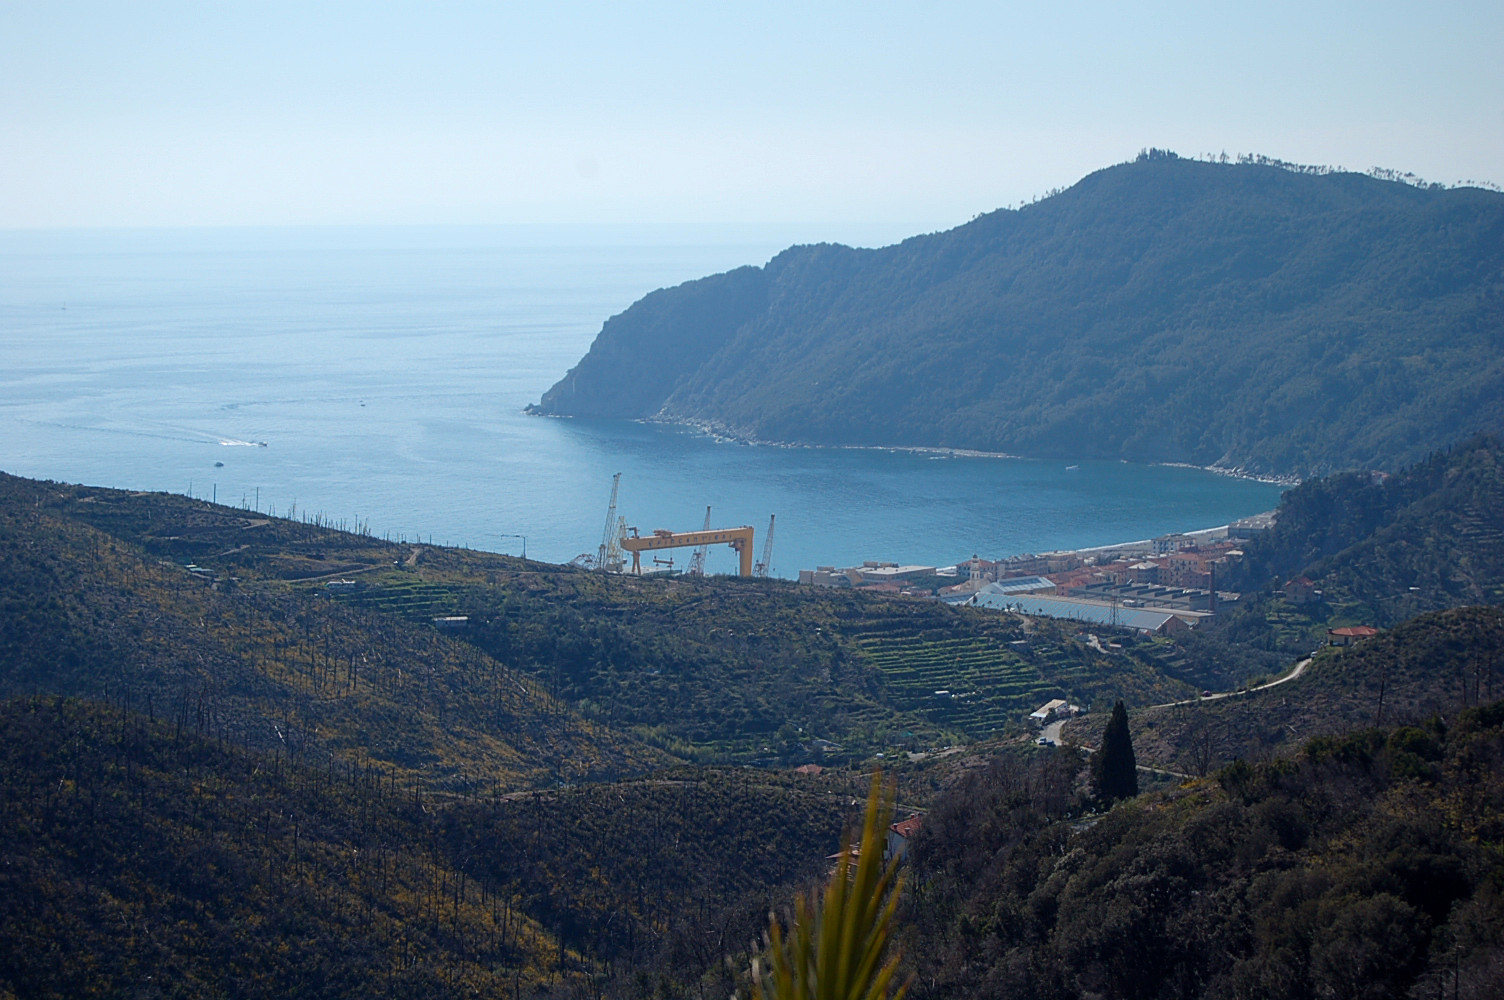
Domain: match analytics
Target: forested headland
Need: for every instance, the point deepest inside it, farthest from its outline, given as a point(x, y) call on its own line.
point(1167, 310)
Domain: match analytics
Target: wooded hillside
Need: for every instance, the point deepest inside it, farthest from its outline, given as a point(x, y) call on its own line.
point(1366, 865)
point(558, 674)
point(1430, 536)
point(1162, 310)
point(261, 763)
point(141, 858)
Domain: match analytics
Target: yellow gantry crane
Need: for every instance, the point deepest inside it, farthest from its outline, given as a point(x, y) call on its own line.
point(740, 539)
point(616, 542)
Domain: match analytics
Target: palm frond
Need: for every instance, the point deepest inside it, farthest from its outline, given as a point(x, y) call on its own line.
point(837, 946)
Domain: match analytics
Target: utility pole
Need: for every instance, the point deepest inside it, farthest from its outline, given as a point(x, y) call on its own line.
point(524, 542)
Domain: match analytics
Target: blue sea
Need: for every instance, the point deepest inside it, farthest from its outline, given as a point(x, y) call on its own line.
point(377, 376)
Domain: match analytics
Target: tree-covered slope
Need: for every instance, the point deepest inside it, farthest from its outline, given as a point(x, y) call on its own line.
point(667, 880)
point(1376, 550)
point(1431, 536)
point(1162, 310)
point(1368, 865)
point(143, 860)
point(258, 662)
point(558, 674)
point(1439, 663)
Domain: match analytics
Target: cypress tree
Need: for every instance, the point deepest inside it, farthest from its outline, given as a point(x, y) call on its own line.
point(1114, 768)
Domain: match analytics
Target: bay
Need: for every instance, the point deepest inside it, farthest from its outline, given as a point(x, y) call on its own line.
point(377, 376)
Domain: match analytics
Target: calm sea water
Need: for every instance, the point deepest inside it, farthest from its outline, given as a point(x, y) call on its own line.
point(386, 371)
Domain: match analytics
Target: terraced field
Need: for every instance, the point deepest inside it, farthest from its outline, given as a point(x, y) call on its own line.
point(409, 598)
point(972, 684)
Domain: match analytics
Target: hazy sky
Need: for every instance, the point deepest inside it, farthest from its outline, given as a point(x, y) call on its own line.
point(126, 113)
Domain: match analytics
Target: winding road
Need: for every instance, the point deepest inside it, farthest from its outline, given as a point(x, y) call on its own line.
point(1052, 731)
point(1300, 668)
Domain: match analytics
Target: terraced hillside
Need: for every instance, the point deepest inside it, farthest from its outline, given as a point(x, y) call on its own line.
point(850, 669)
point(969, 684)
point(412, 599)
point(261, 663)
point(706, 669)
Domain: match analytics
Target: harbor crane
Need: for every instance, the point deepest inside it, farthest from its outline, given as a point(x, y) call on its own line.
point(764, 565)
point(610, 559)
point(616, 542)
point(697, 561)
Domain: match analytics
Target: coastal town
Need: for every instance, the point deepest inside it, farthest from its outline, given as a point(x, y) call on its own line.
point(1160, 585)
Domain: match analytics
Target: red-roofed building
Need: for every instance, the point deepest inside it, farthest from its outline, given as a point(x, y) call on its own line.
point(1070, 579)
point(900, 833)
point(1301, 590)
point(1349, 634)
point(1187, 568)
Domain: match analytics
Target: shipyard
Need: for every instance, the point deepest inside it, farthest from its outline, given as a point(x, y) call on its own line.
point(1156, 586)
point(1160, 585)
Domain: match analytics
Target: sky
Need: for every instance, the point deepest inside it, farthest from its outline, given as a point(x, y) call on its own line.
point(907, 114)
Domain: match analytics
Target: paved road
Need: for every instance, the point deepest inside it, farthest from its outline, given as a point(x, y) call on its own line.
point(1052, 731)
point(1300, 668)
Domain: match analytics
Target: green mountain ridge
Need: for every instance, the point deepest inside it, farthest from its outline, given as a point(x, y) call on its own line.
point(1163, 310)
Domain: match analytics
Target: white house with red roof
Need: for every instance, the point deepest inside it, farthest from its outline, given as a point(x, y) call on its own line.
point(900, 833)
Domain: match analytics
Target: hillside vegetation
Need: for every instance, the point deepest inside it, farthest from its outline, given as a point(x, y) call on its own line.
point(223, 620)
point(208, 754)
point(1358, 549)
point(261, 664)
point(1387, 547)
point(666, 881)
point(1162, 310)
point(1420, 552)
point(143, 859)
point(558, 675)
point(1439, 663)
point(1367, 865)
